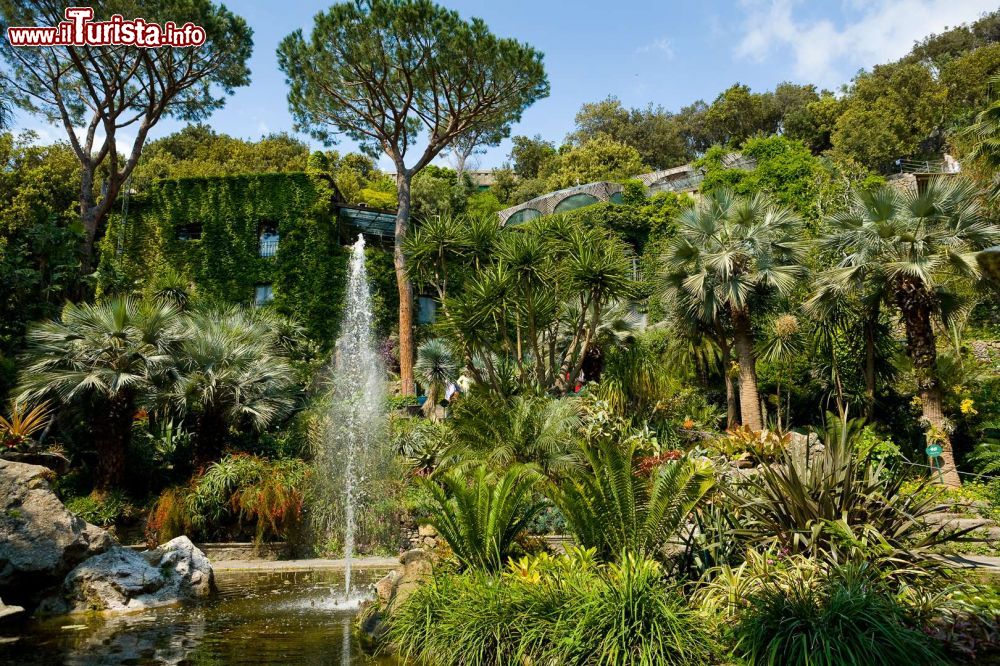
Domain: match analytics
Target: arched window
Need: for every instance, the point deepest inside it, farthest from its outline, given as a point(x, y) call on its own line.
point(575, 201)
point(523, 215)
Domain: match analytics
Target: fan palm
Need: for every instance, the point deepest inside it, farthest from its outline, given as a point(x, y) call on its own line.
point(613, 508)
point(920, 247)
point(729, 251)
point(435, 367)
point(231, 372)
point(108, 355)
point(523, 430)
point(480, 514)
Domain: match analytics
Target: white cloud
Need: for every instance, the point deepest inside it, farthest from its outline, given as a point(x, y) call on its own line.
point(828, 54)
point(661, 46)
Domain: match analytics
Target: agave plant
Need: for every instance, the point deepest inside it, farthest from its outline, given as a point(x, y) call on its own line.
point(480, 514)
point(23, 423)
point(838, 505)
point(615, 510)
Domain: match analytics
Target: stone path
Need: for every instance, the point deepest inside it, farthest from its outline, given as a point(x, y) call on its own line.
point(304, 565)
point(984, 563)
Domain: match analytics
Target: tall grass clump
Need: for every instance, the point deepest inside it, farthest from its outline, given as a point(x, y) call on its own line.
point(839, 619)
point(552, 610)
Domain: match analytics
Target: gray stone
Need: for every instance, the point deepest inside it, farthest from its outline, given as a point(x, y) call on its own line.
point(9, 612)
point(124, 580)
point(415, 568)
point(40, 540)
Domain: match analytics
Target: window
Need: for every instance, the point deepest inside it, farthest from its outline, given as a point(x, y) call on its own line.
point(263, 294)
point(575, 201)
point(268, 240)
point(187, 232)
point(426, 310)
point(523, 215)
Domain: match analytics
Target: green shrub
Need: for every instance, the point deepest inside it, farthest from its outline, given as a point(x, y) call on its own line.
point(235, 493)
point(842, 619)
point(552, 610)
point(103, 510)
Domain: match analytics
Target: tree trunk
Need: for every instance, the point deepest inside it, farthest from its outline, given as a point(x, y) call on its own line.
point(731, 407)
point(90, 218)
point(209, 436)
point(916, 303)
point(113, 436)
point(403, 285)
point(870, 325)
point(749, 398)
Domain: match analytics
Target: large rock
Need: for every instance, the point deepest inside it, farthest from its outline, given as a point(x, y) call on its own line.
point(415, 568)
point(9, 612)
point(124, 580)
point(40, 540)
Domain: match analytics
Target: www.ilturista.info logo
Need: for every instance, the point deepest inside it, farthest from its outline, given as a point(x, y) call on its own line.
point(79, 29)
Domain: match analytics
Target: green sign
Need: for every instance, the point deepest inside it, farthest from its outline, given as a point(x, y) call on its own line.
point(933, 450)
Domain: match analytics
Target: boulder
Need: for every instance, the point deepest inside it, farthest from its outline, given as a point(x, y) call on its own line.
point(124, 580)
point(415, 567)
point(9, 612)
point(40, 540)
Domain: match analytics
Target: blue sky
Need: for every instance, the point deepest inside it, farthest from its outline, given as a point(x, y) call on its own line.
point(666, 52)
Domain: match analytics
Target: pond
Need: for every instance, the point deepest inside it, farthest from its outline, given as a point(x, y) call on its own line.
point(256, 618)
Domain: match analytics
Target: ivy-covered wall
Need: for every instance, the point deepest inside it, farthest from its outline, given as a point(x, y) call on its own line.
point(307, 274)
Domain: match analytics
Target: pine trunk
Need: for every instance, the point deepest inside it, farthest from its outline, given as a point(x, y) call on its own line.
point(749, 398)
point(404, 286)
point(90, 219)
point(916, 303)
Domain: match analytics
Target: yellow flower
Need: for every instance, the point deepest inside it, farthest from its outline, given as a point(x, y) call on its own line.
point(968, 407)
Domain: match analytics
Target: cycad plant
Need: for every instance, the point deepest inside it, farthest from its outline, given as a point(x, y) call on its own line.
point(435, 368)
point(611, 507)
point(480, 514)
point(729, 252)
point(107, 356)
point(919, 248)
point(231, 372)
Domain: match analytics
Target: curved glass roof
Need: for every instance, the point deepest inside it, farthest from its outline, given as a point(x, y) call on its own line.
point(575, 201)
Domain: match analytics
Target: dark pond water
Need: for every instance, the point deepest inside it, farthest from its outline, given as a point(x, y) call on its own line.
point(257, 618)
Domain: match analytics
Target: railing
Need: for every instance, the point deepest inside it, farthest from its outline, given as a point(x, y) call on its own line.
point(927, 166)
point(268, 247)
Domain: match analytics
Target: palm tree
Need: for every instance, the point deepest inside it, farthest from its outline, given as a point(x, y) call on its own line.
point(231, 371)
point(108, 356)
point(435, 367)
point(729, 252)
point(921, 246)
point(525, 430)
